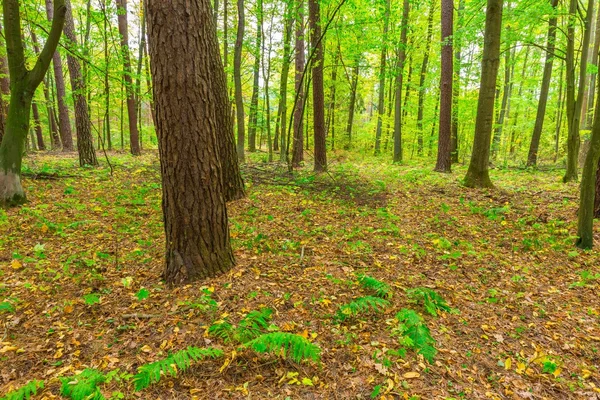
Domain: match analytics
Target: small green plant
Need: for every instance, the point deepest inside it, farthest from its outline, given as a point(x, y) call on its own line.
point(91, 298)
point(430, 299)
point(381, 289)
point(585, 278)
point(151, 373)
point(24, 392)
point(414, 334)
point(249, 327)
point(361, 305)
point(83, 386)
point(5, 306)
point(142, 294)
point(203, 303)
point(289, 345)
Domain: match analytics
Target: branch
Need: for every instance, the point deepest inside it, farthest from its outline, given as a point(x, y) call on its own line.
point(14, 41)
point(43, 61)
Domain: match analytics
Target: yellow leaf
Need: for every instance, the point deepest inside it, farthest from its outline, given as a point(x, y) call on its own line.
point(307, 382)
point(557, 372)
point(411, 375)
point(508, 363)
point(146, 349)
point(520, 368)
point(58, 354)
point(44, 228)
point(304, 334)
point(586, 373)
point(6, 349)
point(68, 309)
point(16, 264)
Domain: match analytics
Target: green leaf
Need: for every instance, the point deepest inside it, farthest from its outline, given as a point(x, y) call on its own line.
point(142, 294)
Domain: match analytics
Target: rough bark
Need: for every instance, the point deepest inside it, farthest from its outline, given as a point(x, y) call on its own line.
point(23, 85)
point(446, 80)
point(107, 130)
point(543, 100)
point(454, 144)
point(4, 87)
point(422, 77)
point(237, 78)
point(398, 113)
point(382, 72)
point(134, 135)
point(194, 207)
point(320, 150)
point(37, 126)
point(85, 145)
point(64, 122)
point(478, 173)
point(298, 139)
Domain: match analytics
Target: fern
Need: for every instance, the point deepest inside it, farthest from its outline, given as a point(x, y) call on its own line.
point(290, 345)
point(83, 386)
point(361, 305)
point(223, 330)
point(431, 300)
point(5, 306)
point(381, 289)
point(415, 334)
point(24, 392)
point(250, 327)
point(151, 373)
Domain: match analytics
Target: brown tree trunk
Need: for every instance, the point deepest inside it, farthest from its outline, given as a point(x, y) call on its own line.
point(134, 135)
point(478, 173)
point(352, 105)
point(447, 75)
point(85, 145)
point(51, 111)
point(541, 110)
point(382, 72)
point(37, 126)
point(280, 123)
point(504, 107)
point(4, 88)
point(320, 150)
point(454, 143)
point(64, 122)
point(253, 117)
point(237, 78)
point(422, 77)
point(398, 112)
point(298, 140)
point(185, 82)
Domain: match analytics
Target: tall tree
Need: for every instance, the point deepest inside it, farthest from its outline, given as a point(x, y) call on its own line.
point(85, 145)
point(446, 93)
point(352, 106)
point(4, 86)
point(478, 173)
point(298, 140)
point(423, 76)
point(382, 72)
point(186, 93)
point(575, 98)
point(398, 84)
point(454, 147)
point(504, 105)
point(37, 126)
point(281, 120)
point(64, 122)
point(320, 149)
point(237, 78)
point(253, 117)
point(23, 83)
point(134, 135)
point(543, 100)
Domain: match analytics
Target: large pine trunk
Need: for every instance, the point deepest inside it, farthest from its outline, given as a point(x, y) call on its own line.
point(445, 130)
point(320, 150)
point(134, 135)
point(186, 93)
point(478, 173)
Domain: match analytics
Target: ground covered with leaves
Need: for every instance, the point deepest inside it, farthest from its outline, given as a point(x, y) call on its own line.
point(408, 285)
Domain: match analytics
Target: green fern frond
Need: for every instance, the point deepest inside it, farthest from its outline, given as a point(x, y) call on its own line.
point(292, 346)
point(361, 305)
point(381, 289)
point(431, 300)
point(415, 334)
point(151, 373)
point(5, 306)
point(83, 386)
point(223, 330)
point(252, 325)
point(24, 392)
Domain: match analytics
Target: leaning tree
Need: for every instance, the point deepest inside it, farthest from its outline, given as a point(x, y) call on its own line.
point(23, 83)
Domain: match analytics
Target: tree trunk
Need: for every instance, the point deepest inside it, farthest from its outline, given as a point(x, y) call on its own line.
point(506, 92)
point(37, 125)
point(4, 89)
point(85, 145)
point(446, 99)
point(185, 82)
point(398, 113)
point(237, 77)
point(64, 122)
point(454, 144)
point(320, 150)
point(280, 122)
point(23, 85)
point(298, 140)
point(588, 96)
point(382, 72)
point(541, 110)
point(51, 110)
point(253, 117)
point(575, 99)
point(134, 135)
point(422, 77)
point(559, 113)
point(352, 105)
point(594, 60)
point(107, 131)
point(478, 173)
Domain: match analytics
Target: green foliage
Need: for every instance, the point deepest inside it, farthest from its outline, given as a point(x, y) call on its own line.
point(203, 303)
point(430, 299)
point(361, 305)
point(5, 306)
point(414, 334)
point(289, 345)
point(24, 392)
point(142, 294)
point(83, 386)
point(250, 327)
point(585, 278)
point(381, 289)
point(91, 298)
point(151, 373)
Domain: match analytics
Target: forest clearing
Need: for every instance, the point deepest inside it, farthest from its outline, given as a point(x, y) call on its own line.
point(82, 273)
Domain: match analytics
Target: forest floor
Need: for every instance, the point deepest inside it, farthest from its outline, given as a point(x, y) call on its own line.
point(81, 265)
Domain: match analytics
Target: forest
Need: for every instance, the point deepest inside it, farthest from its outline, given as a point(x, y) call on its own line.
point(289, 199)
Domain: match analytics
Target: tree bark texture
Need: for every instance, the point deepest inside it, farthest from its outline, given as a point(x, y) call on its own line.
point(320, 150)
point(446, 93)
